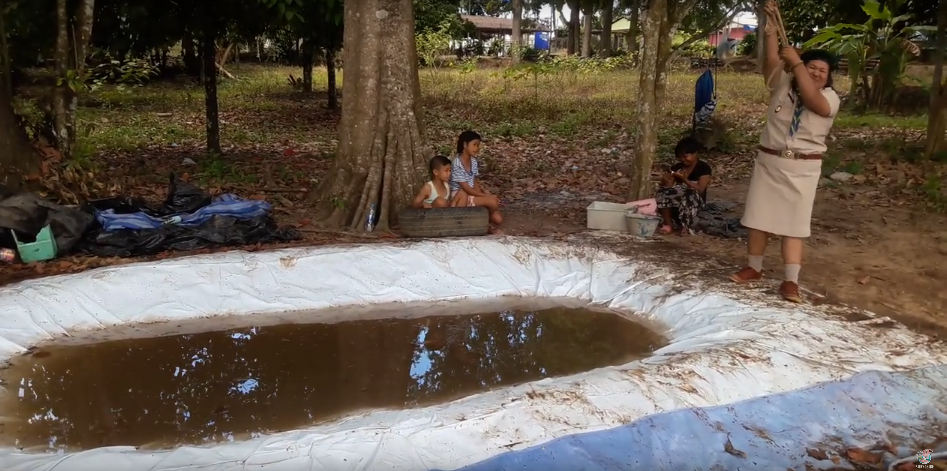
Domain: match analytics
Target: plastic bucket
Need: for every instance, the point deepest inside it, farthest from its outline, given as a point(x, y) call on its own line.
point(642, 225)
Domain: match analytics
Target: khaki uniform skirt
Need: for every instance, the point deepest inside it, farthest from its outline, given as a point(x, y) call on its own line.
point(782, 192)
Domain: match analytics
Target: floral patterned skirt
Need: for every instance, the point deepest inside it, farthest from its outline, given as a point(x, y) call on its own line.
point(685, 200)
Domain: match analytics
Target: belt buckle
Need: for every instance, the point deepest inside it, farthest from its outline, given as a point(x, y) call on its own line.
point(788, 154)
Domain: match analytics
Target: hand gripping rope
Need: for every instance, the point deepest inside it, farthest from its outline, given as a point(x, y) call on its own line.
point(780, 29)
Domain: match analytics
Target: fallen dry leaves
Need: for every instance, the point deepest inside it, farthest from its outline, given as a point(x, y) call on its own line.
point(547, 164)
point(860, 456)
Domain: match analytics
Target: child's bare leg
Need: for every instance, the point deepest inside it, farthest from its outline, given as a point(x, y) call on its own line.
point(492, 203)
point(668, 221)
point(496, 218)
point(440, 203)
point(459, 199)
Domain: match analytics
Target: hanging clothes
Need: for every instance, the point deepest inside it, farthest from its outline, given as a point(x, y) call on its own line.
point(705, 100)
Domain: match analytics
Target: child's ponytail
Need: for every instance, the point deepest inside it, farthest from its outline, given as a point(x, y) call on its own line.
point(465, 138)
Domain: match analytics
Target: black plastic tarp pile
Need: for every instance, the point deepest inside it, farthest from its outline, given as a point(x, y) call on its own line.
point(714, 220)
point(77, 230)
point(27, 214)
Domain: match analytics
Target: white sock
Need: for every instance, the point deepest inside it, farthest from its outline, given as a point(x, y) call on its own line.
point(792, 272)
point(756, 262)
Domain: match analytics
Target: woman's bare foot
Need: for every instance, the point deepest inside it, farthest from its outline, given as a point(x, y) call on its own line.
point(494, 230)
point(665, 230)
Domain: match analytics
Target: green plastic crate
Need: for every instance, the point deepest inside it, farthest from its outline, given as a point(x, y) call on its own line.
point(43, 249)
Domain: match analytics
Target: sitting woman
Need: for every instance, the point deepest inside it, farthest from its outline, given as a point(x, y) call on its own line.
point(465, 189)
point(684, 188)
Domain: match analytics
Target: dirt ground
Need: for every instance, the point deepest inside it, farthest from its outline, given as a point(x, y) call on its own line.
point(870, 248)
point(877, 243)
point(866, 251)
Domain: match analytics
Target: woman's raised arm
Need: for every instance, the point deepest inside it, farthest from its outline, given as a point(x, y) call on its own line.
point(773, 65)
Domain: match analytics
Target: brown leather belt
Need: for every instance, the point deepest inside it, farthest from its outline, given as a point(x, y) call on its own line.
point(788, 154)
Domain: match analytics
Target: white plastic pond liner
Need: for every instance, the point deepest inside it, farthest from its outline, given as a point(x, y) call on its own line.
point(741, 370)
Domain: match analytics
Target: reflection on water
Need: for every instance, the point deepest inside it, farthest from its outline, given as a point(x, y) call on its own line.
point(231, 385)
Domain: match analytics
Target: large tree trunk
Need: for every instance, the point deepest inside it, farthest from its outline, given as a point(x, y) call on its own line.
point(308, 53)
point(6, 72)
point(937, 127)
point(660, 21)
point(381, 159)
point(83, 33)
point(62, 94)
point(937, 114)
point(587, 32)
point(70, 58)
point(332, 90)
point(605, 44)
point(209, 77)
point(646, 141)
point(517, 33)
point(18, 161)
point(572, 45)
point(634, 27)
point(665, 39)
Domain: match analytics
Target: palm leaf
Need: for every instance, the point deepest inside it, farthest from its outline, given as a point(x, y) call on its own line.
point(874, 10)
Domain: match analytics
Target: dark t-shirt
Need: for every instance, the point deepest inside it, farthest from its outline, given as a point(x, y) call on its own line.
point(701, 169)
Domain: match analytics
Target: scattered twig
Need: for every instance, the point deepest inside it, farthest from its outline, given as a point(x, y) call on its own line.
point(729, 448)
point(887, 306)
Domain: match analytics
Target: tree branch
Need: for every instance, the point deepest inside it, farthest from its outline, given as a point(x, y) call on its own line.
point(726, 19)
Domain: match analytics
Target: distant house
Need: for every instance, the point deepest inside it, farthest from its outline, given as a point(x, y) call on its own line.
point(736, 32)
point(490, 29)
point(621, 34)
point(491, 25)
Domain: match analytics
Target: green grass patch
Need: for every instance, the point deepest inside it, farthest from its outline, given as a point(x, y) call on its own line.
point(880, 121)
point(261, 108)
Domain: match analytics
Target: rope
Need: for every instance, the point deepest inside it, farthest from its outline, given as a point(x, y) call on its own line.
point(781, 28)
point(781, 31)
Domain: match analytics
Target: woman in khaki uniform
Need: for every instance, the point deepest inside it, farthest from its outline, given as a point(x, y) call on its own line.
point(788, 166)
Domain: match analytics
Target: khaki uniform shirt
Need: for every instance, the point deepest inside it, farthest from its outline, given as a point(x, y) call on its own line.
point(810, 136)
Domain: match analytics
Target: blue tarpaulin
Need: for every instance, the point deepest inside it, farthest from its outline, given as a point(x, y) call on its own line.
point(225, 205)
point(764, 433)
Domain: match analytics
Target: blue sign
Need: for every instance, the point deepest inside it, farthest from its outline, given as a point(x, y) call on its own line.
point(541, 41)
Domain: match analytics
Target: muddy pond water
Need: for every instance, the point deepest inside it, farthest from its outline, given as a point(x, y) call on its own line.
point(226, 385)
